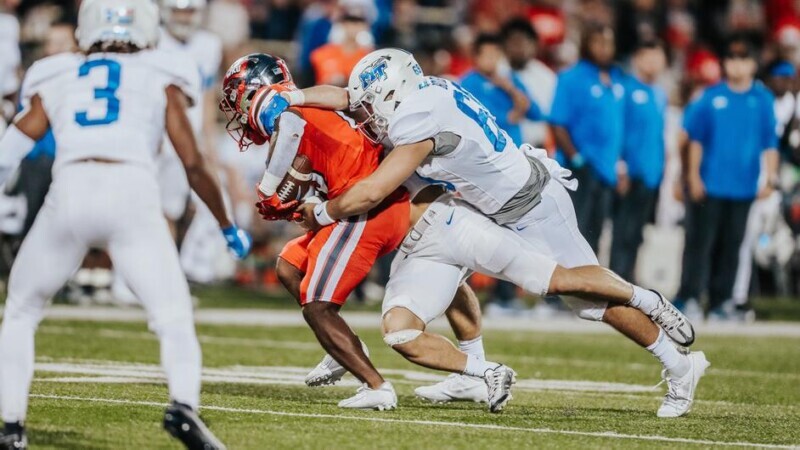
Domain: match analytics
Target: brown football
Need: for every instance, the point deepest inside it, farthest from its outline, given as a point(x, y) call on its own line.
point(297, 182)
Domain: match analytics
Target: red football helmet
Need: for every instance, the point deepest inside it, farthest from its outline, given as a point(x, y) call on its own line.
point(248, 76)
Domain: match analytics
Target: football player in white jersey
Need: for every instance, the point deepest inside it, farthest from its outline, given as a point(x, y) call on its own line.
point(108, 108)
point(181, 33)
point(449, 138)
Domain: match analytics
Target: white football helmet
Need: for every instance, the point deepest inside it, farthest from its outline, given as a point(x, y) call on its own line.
point(378, 83)
point(182, 17)
point(132, 21)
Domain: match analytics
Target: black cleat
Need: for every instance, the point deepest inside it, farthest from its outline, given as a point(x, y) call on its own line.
point(13, 437)
point(185, 425)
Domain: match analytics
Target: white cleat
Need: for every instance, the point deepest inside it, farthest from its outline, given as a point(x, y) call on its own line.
point(381, 399)
point(672, 321)
point(329, 371)
point(680, 391)
point(499, 381)
point(455, 387)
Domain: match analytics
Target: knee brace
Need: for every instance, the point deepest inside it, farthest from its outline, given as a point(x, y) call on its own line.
point(401, 337)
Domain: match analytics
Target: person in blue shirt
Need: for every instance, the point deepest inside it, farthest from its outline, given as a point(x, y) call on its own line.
point(498, 88)
point(733, 141)
point(587, 118)
point(642, 154)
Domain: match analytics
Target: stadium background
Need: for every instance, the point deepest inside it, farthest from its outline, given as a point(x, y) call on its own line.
point(320, 40)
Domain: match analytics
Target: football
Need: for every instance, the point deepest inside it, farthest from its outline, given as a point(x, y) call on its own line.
point(297, 182)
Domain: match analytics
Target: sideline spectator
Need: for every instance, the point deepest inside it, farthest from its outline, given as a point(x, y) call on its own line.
point(732, 129)
point(643, 153)
point(498, 88)
point(587, 118)
point(521, 44)
point(350, 40)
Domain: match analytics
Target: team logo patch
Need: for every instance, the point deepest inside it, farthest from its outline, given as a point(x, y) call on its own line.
point(376, 71)
point(119, 16)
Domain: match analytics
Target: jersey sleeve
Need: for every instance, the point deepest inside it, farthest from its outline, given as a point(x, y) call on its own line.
point(696, 118)
point(42, 74)
point(415, 121)
point(769, 131)
point(177, 69)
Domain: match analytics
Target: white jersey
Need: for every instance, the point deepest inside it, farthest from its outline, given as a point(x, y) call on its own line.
point(205, 50)
point(471, 154)
point(9, 54)
point(109, 105)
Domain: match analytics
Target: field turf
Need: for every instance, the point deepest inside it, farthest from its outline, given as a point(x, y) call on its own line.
point(98, 386)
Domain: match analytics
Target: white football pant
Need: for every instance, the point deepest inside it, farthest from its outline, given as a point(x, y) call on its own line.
point(103, 205)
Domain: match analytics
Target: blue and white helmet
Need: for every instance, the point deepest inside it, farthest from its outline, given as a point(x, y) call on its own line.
point(378, 83)
point(132, 21)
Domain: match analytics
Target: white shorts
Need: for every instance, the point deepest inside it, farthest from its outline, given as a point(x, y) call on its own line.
point(113, 206)
point(450, 239)
point(173, 185)
point(552, 229)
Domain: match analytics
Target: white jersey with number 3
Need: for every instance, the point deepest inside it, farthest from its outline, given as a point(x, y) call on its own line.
point(472, 155)
point(109, 105)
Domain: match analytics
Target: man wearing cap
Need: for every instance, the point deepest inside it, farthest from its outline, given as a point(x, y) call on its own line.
point(731, 128)
point(643, 153)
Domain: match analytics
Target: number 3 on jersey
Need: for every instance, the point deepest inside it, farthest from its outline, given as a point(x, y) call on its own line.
point(107, 93)
point(470, 106)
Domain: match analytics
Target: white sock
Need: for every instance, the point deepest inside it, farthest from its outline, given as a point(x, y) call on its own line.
point(644, 300)
point(477, 367)
point(473, 347)
point(16, 367)
point(674, 361)
point(182, 362)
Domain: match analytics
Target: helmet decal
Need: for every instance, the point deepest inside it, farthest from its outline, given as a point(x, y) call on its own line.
point(119, 15)
point(376, 71)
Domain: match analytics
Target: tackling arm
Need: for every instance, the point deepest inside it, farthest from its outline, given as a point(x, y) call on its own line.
point(284, 144)
point(325, 97)
point(370, 192)
point(20, 138)
point(180, 132)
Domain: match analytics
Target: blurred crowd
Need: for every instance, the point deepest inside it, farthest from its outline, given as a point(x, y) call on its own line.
point(679, 117)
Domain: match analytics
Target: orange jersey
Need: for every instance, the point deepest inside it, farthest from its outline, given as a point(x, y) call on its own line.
point(339, 153)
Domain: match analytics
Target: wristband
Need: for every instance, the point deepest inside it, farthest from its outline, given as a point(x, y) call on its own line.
point(321, 214)
point(295, 97)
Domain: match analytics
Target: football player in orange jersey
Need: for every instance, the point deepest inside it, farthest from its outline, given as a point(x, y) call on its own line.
point(322, 268)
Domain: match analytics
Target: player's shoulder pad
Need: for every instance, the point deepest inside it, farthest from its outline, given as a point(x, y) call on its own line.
point(415, 118)
point(175, 68)
point(48, 69)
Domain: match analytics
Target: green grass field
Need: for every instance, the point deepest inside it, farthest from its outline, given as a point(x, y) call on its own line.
point(97, 385)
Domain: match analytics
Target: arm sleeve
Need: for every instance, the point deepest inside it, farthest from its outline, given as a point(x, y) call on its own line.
point(561, 109)
point(286, 143)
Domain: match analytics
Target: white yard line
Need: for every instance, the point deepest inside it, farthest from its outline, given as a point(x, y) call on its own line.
point(434, 423)
point(264, 317)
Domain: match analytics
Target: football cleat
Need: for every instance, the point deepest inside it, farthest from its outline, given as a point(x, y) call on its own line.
point(329, 371)
point(381, 399)
point(681, 390)
point(672, 321)
point(183, 423)
point(13, 441)
point(455, 387)
point(499, 381)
